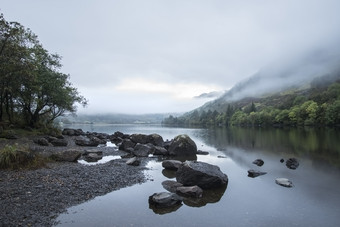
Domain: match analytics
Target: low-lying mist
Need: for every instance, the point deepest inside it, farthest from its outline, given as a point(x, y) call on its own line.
point(292, 72)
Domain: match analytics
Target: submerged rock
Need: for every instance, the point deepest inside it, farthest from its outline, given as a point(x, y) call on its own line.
point(292, 163)
point(171, 164)
point(284, 182)
point(201, 174)
point(171, 185)
point(164, 199)
point(255, 173)
point(258, 162)
point(190, 191)
point(199, 152)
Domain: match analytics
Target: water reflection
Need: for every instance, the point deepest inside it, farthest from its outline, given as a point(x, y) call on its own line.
point(313, 201)
point(164, 210)
point(321, 145)
point(209, 196)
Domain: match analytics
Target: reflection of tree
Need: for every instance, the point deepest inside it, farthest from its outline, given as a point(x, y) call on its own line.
point(317, 143)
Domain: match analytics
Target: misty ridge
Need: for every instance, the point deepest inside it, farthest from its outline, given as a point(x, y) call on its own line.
point(292, 73)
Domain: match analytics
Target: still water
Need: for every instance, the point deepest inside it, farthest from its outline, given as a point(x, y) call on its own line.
point(313, 201)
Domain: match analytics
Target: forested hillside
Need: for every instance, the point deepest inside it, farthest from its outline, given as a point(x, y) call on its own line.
point(314, 103)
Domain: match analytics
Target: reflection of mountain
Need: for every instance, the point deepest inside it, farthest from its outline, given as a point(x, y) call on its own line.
point(318, 144)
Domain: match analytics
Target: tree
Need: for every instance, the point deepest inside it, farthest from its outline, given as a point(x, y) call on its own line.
point(31, 85)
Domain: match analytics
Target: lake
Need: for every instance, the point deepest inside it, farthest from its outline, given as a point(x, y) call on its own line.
point(314, 200)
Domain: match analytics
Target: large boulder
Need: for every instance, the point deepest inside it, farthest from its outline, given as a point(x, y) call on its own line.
point(127, 145)
point(71, 155)
point(155, 139)
point(142, 150)
point(164, 199)
point(139, 138)
point(171, 164)
point(183, 145)
point(201, 174)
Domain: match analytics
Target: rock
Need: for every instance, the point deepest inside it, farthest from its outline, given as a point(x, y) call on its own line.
point(167, 144)
point(202, 152)
point(59, 143)
point(133, 161)
point(118, 134)
point(141, 150)
point(201, 174)
point(84, 141)
point(116, 140)
point(221, 156)
point(254, 173)
point(155, 139)
point(139, 138)
point(127, 143)
point(93, 155)
point(183, 145)
point(292, 163)
point(157, 150)
point(209, 196)
point(171, 174)
point(171, 185)
point(41, 141)
point(72, 132)
point(258, 162)
point(71, 155)
point(51, 138)
point(190, 191)
point(171, 164)
point(10, 135)
point(164, 199)
point(284, 182)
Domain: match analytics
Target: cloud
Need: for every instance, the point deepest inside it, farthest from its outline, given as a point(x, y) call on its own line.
point(175, 48)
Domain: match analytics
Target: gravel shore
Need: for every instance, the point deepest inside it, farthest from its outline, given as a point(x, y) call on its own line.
point(36, 197)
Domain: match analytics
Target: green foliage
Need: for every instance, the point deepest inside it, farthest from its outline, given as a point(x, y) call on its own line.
point(13, 158)
point(300, 109)
point(32, 89)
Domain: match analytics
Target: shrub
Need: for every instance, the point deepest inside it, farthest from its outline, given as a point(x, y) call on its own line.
point(11, 157)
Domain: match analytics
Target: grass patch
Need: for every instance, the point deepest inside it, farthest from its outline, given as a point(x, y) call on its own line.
point(15, 157)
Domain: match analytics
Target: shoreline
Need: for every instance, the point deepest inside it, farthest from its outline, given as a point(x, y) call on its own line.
point(37, 197)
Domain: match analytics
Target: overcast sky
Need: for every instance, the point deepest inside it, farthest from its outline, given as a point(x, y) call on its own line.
point(155, 56)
